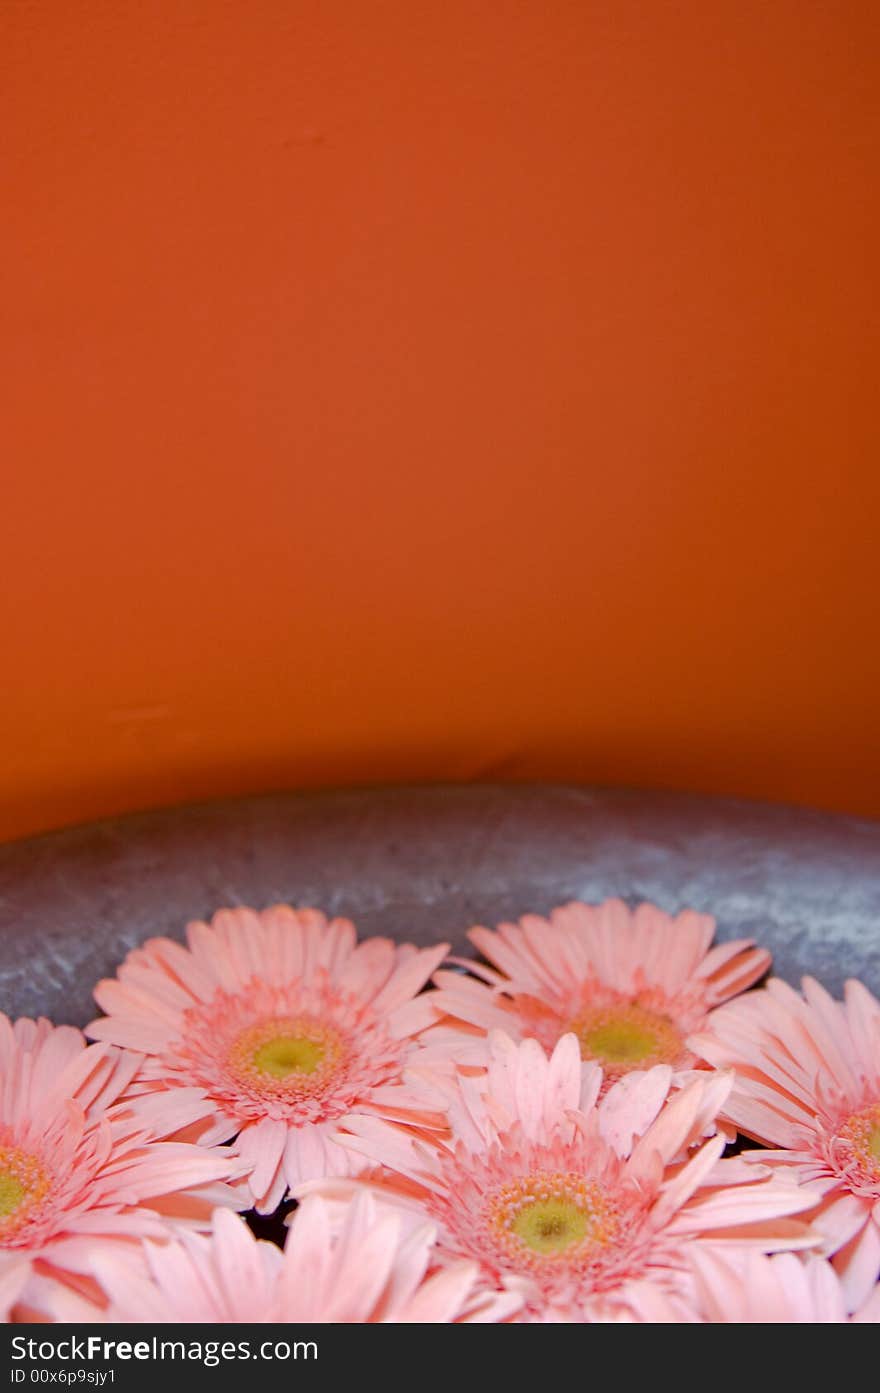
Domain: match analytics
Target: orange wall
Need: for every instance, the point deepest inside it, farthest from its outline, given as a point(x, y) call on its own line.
point(419, 390)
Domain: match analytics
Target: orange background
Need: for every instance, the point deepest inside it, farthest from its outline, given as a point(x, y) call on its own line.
point(418, 390)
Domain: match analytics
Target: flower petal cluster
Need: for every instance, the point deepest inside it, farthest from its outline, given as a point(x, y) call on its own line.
point(84, 1164)
point(632, 985)
point(586, 1202)
point(552, 1134)
point(285, 1023)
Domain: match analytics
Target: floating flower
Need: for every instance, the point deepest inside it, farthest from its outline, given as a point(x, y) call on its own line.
point(808, 1082)
point(783, 1289)
point(580, 1204)
point(287, 1025)
point(366, 1266)
point(79, 1168)
point(630, 984)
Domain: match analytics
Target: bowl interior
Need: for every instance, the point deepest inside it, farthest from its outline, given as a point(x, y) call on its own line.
point(424, 864)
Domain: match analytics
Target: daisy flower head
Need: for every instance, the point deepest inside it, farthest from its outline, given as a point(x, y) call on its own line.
point(630, 984)
point(82, 1167)
point(286, 1023)
point(808, 1084)
point(366, 1264)
point(578, 1200)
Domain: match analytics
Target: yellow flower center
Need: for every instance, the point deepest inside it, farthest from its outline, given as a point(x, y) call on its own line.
point(626, 1036)
point(540, 1217)
point(286, 1055)
point(550, 1226)
point(23, 1183)
point(861, 1135)
point(289, 1054)
point(12, 1192)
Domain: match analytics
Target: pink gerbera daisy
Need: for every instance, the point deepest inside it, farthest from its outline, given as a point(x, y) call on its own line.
point(286, 1023)
point(783, 1289)
point(808, 1081)
point(79, 1168)
point(366, 1265)
point(630, 984)
point(580, 1204)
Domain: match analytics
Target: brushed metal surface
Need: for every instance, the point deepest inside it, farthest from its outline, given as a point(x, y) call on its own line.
point(425, 863)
